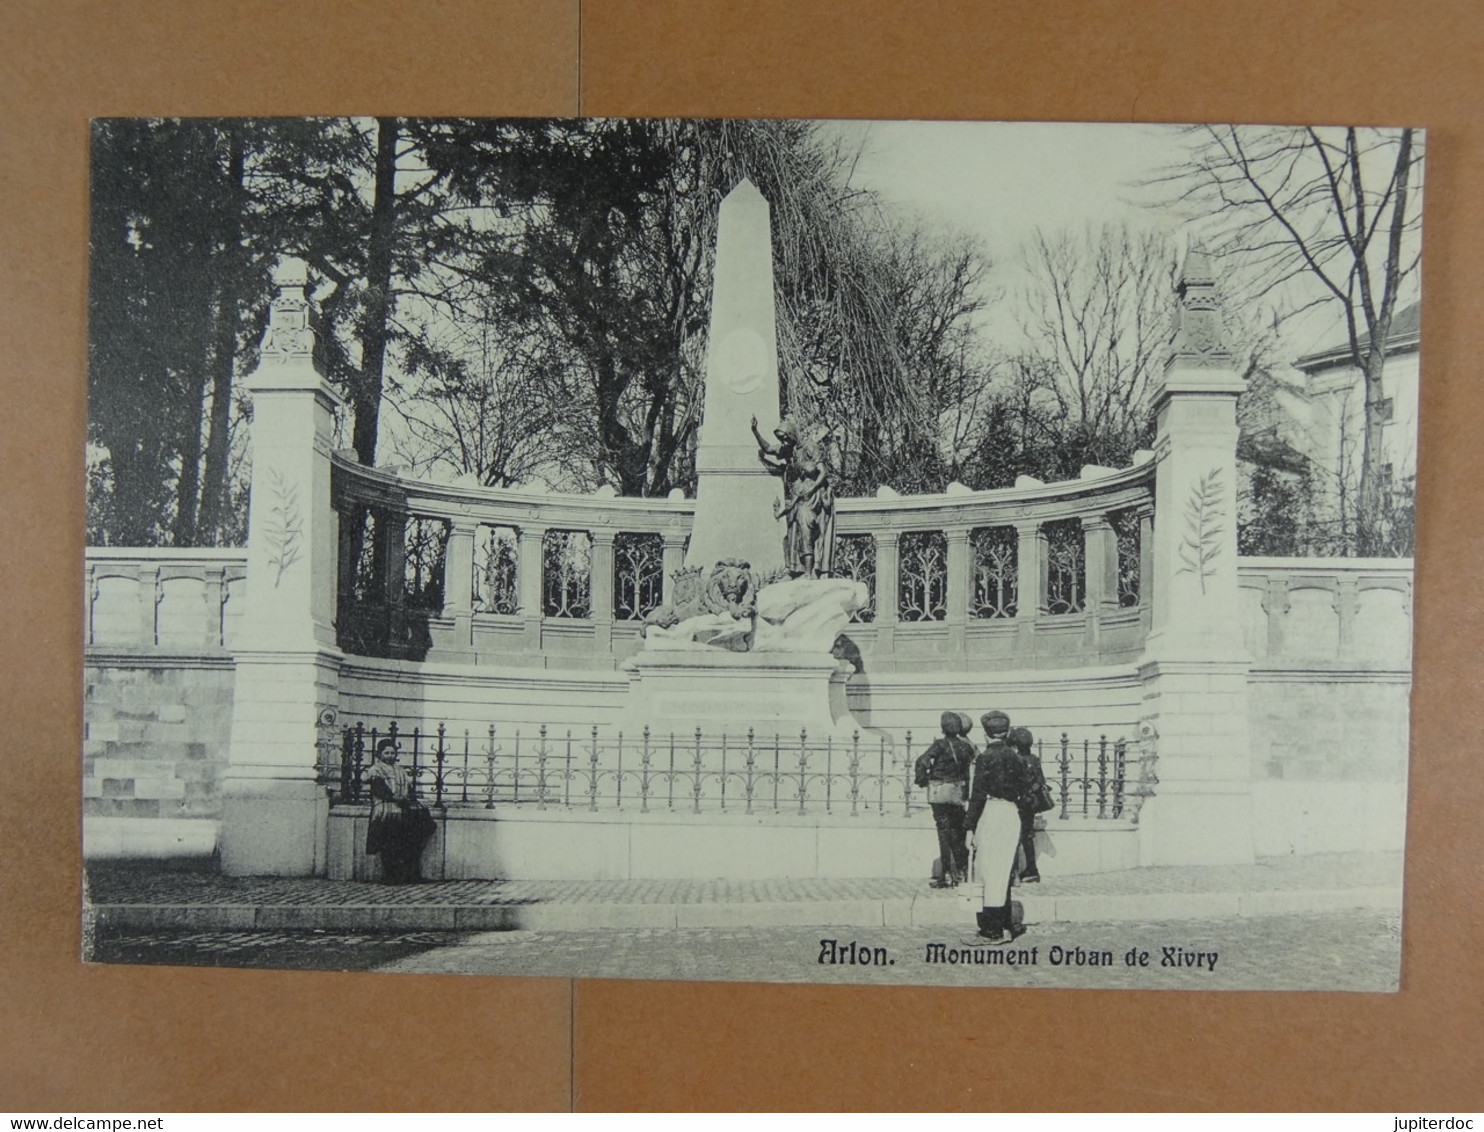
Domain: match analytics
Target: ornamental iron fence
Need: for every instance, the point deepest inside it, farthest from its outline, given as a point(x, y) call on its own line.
point(584, 768)
point(1066, 567)
point(567, 574)
point(995, 590)
point(638, 575)
point(1125, 526)
point(855, 560)
point(496, 562)
point(425, 556)
point(923, 586)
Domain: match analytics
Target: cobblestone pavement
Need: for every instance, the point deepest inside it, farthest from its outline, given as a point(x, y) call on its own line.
point(146, 883)
point(289, 950)
point(1358, 951)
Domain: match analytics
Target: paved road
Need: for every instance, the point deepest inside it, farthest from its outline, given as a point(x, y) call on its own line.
point(1336, 951)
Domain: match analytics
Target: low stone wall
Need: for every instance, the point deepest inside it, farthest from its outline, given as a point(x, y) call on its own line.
point(155, 737)
point(531, 844)
point(1086, 700)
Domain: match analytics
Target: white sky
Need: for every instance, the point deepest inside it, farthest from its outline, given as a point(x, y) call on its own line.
point(1002, 180)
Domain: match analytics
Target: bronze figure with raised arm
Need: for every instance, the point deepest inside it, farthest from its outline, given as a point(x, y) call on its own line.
point(808, 503)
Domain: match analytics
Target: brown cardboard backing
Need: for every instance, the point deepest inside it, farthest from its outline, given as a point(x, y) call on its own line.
point(154, 1039)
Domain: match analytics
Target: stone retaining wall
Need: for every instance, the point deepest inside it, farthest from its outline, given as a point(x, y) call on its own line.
point(155, 737)
point(1329, 748)
point(1329, 759)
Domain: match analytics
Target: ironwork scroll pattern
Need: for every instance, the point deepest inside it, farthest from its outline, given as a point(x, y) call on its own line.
point(855, 559)
point(567, 571)
point(1125, 526)
point(1066, 570)
point(497, 570)
point(923, 588)
point(1090, 777)
point(366, 582)
point(586, 768)
point(426, 542)
point(638, 575)
point(995, 582)
point(362, 624)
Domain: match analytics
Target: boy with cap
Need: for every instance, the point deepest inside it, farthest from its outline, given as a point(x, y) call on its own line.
point(943, 769)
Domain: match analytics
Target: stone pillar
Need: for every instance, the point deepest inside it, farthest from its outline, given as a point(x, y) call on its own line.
point(214, 596)
point(1146, 567)
point(1030, 584)
point(672, 562)
point(957, 567)
point(529, 574)
point(149, 605)
point(735, 492)
point(1195, 666)
point(274, 812)
point(888, 567)
point(1347, 609)
point(602, 592)
point(91, 600)
point(1275, 605)
point(458, 582)
point(392, 533)
point(1100, 573)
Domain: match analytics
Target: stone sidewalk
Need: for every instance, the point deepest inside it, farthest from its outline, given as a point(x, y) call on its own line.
point(144, 895)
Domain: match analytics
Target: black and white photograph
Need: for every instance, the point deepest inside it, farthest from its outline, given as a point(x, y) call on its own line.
point(863, 552)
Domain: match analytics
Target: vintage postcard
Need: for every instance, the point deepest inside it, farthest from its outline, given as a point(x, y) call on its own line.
point(854, 552)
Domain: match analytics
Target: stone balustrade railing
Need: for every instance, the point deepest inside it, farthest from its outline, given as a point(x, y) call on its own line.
point(187, 601)
point(1047, 574)
point(1343, 610)
point(1298, 609)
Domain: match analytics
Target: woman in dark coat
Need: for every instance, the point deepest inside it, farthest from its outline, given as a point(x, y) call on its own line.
point(992, 819)
point(400, 825)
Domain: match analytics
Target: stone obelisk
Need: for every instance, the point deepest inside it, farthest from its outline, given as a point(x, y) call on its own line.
point(734, 491)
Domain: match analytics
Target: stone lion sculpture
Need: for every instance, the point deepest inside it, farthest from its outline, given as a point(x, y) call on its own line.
point(731, 589)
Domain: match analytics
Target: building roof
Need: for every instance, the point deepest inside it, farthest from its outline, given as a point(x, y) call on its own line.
point(1269, 450)
point(1406, 327)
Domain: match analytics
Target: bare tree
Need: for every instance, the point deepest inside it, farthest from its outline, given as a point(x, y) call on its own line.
point(1309, 216)
point(1096, 316)
point(478, 400)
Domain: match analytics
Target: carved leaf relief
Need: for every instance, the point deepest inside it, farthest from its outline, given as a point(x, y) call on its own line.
point(1201, 543)
point(284, 536)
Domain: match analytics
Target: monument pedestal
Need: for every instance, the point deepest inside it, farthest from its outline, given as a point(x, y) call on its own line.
point(1195, 664)
point(727, 693)
point(273, 828)
point(287, 683)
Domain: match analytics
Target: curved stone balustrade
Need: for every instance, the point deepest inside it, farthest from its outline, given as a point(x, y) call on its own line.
point(1041, 574)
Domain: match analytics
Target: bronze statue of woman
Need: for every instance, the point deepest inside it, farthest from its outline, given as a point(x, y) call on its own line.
point(808, 504)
